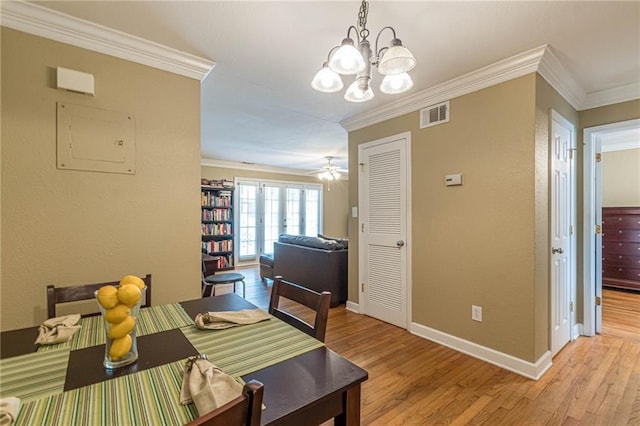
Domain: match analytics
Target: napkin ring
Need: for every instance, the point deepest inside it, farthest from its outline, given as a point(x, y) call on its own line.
point(193, 359)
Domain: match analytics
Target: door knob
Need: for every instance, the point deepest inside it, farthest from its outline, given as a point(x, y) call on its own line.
point(400, 243)
point(556, 250)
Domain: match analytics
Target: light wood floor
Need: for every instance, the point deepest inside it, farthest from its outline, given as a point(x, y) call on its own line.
point(412, 381)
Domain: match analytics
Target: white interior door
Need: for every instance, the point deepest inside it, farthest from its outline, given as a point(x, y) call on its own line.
point(561, 232)
point(598, 235)
point(383, 200)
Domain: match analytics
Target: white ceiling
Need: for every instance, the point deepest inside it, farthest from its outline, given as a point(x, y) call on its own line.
point(258, 106)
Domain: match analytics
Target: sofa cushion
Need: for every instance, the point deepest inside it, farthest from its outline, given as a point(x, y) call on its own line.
point(342, 241)
point(313, 242)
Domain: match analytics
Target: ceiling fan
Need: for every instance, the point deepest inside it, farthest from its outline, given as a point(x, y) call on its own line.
point(330, 171)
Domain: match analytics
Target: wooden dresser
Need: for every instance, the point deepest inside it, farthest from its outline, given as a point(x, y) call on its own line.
point(621, 247)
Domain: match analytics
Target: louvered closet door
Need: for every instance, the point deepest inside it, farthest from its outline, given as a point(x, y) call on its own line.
point(383, 225)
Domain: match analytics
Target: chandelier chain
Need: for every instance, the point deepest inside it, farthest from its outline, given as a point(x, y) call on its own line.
point(362, 19)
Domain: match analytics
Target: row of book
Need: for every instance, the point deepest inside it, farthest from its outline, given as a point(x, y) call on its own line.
point(216, 214)
point(210, 199)
point(217, 229)
point(225, 261)
point(217, 246)
point(217, 183)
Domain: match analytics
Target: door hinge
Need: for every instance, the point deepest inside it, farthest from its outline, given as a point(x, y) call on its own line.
point(598, 157)
point(598, 229)
point(362, 167)
point(363, 287)
point(598, 301)
point(571, 307)
point(570, 229)
point(362, 228)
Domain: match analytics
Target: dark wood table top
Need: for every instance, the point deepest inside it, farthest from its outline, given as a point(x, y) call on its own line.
point(317, 378)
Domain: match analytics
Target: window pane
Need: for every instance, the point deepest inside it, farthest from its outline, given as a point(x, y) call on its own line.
point(248, 204)
point(293, 211)
point(271, 217)
point(312, 212)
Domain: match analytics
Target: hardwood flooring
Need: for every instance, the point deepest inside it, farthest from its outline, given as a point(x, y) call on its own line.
point(412, 381)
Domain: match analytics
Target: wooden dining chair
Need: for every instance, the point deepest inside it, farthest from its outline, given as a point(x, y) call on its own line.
point(245, 410)
point(57, 295)
point(318, 302)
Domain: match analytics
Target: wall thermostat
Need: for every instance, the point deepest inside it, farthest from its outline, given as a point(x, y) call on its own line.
point(452, 180)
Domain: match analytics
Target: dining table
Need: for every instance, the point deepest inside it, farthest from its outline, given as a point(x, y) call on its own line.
point(305, 383)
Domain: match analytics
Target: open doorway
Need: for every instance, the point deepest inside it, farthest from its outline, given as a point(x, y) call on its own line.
point(619, 141)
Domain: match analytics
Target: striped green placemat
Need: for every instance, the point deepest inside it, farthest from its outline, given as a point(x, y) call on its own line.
point(150, 320)
point(150, 397)
point(242, 350)
point(34, 375)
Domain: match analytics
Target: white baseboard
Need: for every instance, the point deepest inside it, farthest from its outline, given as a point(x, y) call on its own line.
point(508, 362)
point(353, 307)
point(578, 329)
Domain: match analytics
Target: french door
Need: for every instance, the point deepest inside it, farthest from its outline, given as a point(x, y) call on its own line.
point(267, 209)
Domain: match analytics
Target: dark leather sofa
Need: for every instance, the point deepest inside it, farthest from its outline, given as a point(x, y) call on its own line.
point(316, 263)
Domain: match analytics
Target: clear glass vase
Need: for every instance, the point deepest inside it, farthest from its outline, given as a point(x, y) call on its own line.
point(121, 346)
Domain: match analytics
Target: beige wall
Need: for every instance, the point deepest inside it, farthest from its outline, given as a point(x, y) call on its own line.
point(72, 227)
point(621, 178)
point(473, 244)
point(335, 202)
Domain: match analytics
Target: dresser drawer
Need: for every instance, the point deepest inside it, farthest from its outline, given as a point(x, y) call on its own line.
point(621, 260)
point(628, 235)
point(632, 274)
point(631, 249)
point(629, 221)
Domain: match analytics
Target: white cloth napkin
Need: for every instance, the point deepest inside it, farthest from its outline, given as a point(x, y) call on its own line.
point(9, 408)
point(226, 319)
point(58, 329)
point(207, 386)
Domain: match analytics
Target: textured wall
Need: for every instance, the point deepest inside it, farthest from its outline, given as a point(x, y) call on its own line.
point(68, 227)
point(621, 178)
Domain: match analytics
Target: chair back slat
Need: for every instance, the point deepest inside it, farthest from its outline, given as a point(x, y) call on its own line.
point(245, 410)
point(318, 302)
point(56, 295)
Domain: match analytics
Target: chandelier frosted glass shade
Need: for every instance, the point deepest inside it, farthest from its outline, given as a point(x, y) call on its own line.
point(396, 60)
point(355, 94)
point(347, 59)
point(326, 80)
point(396, 83)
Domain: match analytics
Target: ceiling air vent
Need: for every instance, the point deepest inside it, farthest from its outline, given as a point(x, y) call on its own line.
point(434, 114)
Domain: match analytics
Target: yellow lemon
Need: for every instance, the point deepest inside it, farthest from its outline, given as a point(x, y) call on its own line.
point(120, 347)
point(107, 296)
point(132, 279)
point(117, 314)
point(129, 294)
point(122, 328)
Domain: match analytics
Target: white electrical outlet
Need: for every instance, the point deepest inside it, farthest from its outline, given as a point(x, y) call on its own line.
point(476, 313)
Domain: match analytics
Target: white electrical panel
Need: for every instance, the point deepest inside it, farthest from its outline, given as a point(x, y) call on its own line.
point(96, 140)
point(452, 180)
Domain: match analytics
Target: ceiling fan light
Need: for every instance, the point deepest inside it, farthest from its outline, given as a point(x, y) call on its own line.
point(355, 94)
point(326, 80)
point(396, 83)
point(396, 60)
point(347, 59)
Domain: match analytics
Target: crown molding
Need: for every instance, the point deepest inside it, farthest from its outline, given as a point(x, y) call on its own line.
point(612, 96)
point(47, 23)
point(501, 71)
point(211, 162)
point(540, 59)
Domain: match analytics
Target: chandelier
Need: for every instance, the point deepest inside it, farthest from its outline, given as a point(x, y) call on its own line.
point(393, 61)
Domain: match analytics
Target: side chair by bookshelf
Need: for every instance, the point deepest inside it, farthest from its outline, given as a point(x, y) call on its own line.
point(57, 295)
